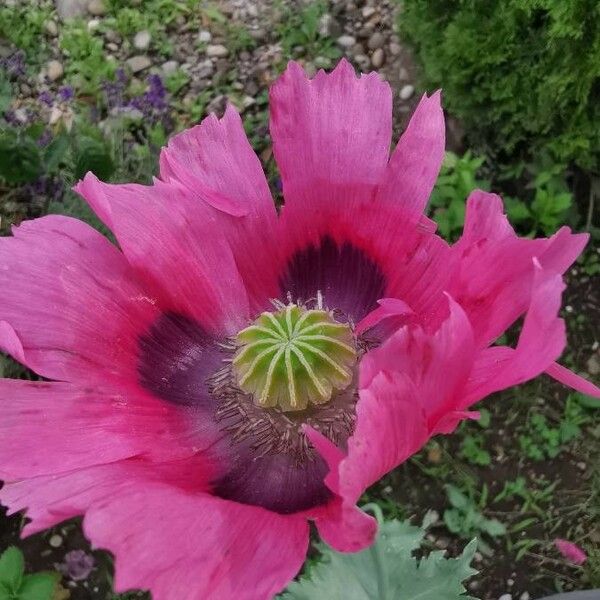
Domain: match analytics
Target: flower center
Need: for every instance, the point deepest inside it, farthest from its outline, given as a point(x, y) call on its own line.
point(293, 357)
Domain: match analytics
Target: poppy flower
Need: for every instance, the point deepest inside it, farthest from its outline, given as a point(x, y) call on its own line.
point(228, 373)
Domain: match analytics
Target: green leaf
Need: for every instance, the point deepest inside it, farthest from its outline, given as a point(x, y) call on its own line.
point(12, 567)
point(39, 586)
point(5, 94)
point(588, 401)
point(386, 571)
point(20, 159)
point(55, 152)
point(457, 498)
point(94, 156)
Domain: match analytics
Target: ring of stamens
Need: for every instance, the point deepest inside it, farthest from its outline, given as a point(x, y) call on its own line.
point(293, 357)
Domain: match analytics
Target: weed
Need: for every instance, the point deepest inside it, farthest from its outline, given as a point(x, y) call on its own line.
point(465, 517)
point(299, 32)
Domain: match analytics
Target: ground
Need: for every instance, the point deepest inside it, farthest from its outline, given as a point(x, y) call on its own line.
point(527, 473)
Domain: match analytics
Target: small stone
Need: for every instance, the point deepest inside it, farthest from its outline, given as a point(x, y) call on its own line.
point(142, 40)
point(505, 597)
point(248, 101)
point(510, 582)
point(93, 24)
point(368, 11)
point(406, 92)
point(395, 49)
point(329, 27)
point(51, 28)
point(581, 466)
point(216, 51)
point(346, 41)
point(478, 557)
point(69, 9)
point(362, 60)
point(169, 67)
point(205, 69)
point(96, 8)
point(378, 58)
point(204, 36)
point(138, 63)
point(377, 40)
point(54, 70)
point(55, 541)
point(112, 36)
point(593, 365)
point(524, 596)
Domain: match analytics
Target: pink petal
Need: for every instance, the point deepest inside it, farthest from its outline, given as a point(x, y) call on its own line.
point(389, 308)
point(216, 163)
point(70, 305)
point(437, 363)
point(417, 159)
point(176, 247)
point(571, 551)
point(390, 427)
point(52, 499)
point(572, 380)
point(541, 341)
point(194, 546)
point(51, 428)
point(493, 280)
point(331, 135)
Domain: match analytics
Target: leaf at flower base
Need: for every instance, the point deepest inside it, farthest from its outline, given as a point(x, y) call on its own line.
point(39, 586)
point(12, 567)
point(386, 571)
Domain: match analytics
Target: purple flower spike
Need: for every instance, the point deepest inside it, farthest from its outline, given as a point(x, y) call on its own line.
point(65, 93)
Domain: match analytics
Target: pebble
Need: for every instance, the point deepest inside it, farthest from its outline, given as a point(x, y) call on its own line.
point(205, 69)
point(138, 63)
point(593, 365)
point(68, 9)
point(96, 8)
point(368, 11)
point(395, 49)
point(204, 36)
point(93, 24)
point(406, 92)
point(524, 596)
point(378, 58)
point(170, 67)
point(329, 27)
point(142, 40)
point(362, 60)
point(346, 41)
point(216, 51)
point(55, 541)
point(51, 28)
point(55, 70)
point(377, 40)
point(505, 597)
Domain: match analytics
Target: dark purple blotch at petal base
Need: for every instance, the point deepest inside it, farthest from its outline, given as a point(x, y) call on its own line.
point(348, 279)
point(176, 357)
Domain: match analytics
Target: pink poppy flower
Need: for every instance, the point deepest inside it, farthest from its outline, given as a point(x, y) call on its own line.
point(228, 373)
point(572, 552)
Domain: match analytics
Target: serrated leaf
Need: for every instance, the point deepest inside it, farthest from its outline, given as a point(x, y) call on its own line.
point(39, 586)
point(386, 571)
point(12, 566)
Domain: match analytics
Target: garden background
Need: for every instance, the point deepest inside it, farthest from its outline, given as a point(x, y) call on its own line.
point(100, 85)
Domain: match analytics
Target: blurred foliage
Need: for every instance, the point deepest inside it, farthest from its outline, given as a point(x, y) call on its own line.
point(522, 75)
